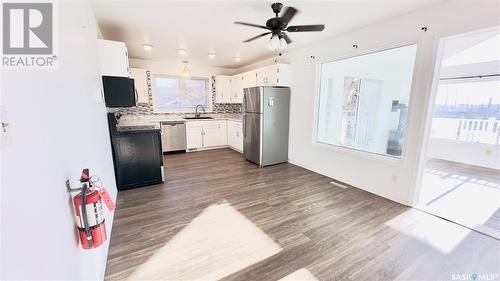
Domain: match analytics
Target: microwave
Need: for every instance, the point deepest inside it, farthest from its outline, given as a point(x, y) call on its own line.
point(119, 91)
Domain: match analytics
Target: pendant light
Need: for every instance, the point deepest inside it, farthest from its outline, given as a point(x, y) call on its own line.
point(185, 71)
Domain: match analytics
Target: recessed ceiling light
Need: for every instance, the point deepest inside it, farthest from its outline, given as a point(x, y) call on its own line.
point(147, 47)
point(181, 52)
point(237, 59)
point(211, 55)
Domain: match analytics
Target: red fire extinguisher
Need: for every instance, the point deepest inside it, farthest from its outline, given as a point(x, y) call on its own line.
point(89, 213)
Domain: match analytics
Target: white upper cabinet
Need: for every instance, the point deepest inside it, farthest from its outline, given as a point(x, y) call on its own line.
point(264, 75)
point(223, 89)
point(141, 84)
point(230, 89)
point(237, 88)
point(113, 58)
point(274, 75)
point(250, 79)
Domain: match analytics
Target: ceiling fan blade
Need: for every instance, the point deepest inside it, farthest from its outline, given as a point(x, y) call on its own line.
point(287, 39)
point(304, 28)
point(288, 15)
point(255, 37)
point(250, 24)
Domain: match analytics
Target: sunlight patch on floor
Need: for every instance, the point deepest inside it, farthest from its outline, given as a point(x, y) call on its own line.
point(433, 231)
point(302, 274)
point(218, 242)
point(468, 200)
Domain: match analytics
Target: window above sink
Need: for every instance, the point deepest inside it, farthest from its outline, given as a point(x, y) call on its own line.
point(172, 94)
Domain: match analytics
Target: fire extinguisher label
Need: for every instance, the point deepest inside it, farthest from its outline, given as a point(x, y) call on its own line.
point(95, 214)
point(106, 198)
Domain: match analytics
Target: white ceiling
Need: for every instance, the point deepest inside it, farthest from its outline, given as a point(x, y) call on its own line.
point(203, 26)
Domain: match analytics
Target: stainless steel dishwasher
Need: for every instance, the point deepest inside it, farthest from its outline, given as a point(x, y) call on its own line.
point(173, 136)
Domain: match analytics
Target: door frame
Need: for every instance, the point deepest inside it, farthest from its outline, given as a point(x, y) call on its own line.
point(430, 109)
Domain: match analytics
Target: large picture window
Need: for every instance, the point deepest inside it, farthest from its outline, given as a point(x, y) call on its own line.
point(363, 101)
point(174, 95)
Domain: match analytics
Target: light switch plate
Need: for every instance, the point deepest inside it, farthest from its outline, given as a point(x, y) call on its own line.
point(4, 135)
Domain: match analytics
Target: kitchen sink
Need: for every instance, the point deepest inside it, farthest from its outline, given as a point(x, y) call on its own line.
point(199, 117)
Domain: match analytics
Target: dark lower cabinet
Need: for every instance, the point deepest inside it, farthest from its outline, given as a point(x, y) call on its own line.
point(138, 158)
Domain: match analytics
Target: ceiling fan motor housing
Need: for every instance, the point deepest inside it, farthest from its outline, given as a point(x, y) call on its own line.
point(277, 7)
point(276, 25)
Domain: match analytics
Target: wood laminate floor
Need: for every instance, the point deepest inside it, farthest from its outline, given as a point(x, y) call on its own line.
point(220, 217)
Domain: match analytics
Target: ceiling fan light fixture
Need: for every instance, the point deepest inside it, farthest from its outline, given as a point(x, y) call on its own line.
point(237, 59)
point(181, 52)
point(283, 43)
point(147, 47)
point(276, 43)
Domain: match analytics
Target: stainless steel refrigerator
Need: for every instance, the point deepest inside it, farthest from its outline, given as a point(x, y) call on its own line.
point(266, 113)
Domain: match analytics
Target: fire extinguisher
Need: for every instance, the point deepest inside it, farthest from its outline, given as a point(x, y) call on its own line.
point(89, 213)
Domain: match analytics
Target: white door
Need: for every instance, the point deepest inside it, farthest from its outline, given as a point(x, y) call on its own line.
point(235, 85)
point(262, 76)
point(250, 79)
point(283, 72)
point(214, 133)
point(113, 58)
point(222, 89)
point(238, 136)
point(194, 136)
point(231, 134)
point(235, 135)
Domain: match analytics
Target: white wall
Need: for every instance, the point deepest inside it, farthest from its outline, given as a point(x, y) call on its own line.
point(58, 127)
point(394, 179)
point(477, 154)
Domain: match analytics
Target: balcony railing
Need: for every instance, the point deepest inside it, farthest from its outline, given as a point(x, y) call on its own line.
point(485, 131)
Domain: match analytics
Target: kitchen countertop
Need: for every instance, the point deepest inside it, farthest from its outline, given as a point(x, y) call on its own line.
point(145, 120)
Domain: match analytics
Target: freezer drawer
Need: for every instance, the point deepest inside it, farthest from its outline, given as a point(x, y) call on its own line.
point(173, 136)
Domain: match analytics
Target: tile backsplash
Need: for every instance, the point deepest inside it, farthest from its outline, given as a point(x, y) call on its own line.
point(147, 109)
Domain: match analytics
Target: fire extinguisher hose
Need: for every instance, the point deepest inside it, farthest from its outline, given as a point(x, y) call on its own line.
point(84, 216)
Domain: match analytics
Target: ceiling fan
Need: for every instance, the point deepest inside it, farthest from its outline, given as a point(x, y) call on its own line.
point(278, 25)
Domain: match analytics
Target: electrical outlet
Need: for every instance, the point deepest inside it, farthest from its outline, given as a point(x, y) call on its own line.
point(394, 178)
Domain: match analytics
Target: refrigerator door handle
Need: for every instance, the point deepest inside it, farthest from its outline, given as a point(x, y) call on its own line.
point(244, 126)
point(244, 105)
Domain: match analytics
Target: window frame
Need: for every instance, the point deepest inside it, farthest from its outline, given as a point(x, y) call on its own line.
point(387, 159)
point(157, 109)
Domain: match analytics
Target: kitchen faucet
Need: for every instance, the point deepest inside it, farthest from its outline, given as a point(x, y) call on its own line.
point(196, 115)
